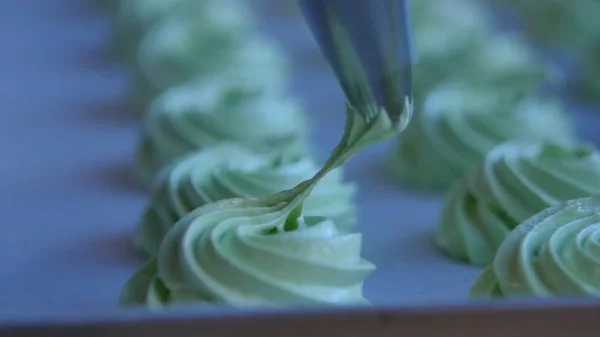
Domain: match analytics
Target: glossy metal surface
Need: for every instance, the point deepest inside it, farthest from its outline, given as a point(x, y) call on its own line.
point(369, 47)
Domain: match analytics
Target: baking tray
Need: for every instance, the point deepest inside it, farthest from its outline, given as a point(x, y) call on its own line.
point(69, 201)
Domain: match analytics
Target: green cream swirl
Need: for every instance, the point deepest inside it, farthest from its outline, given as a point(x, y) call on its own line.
point(254, 252)
point(222, 108)
point(231, 171)
point(446, 33)
point(554, 253)
point(460, 123)
point(456, 40)
point(224, 254)
point(133, 18)
point(507, 61)
point(559, 23)
point(571, 28)
point(182, 47)
point(515, 181)
point(442, 28)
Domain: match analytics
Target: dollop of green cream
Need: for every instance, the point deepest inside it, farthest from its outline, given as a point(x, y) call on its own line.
point(133, 18)
point(554, 253)
point(445, 34)
point(502, 62)
point(222, 108)
point(228, 252)
point(573, 29)
point(460, 123)
point(263, 251)
point(227, 171)
point(457, 40)
point(515, 181)
point(182, 47)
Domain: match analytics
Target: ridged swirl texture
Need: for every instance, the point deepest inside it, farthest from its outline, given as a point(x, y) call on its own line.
point(554, 253)
point(222, 108)
point(457, 39)
point(573, 29)
point(556, 23)
point(229, 171)
point(507, 62)
point(133, 18)
point(445, 34)
point(226, 252)
point(183, 47)
point(460, 123)
point(442, 28)
point(515, 181)
point(263, 251)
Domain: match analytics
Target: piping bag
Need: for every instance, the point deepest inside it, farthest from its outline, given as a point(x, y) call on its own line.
point(370, 48)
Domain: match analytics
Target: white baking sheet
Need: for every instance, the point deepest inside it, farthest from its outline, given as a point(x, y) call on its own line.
point(68, 202)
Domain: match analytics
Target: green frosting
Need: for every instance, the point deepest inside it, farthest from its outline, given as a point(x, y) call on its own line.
point(514, 181)
point(505, 62)
point(570, 27)
point(240, 264)
point(457, 39)
point(133, 18)
point(460, 123)
point(554, 253)
point(229, 171)
point(253, 252)
point(558, 22)
point(508, 62)
point(446, 33)
point(444, 28)
point(222, 108)
point(264, 251)
point(183, 47)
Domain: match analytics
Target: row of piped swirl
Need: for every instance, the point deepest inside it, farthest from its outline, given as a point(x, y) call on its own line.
point(222, 143)
point(569, 27)
point(501, 149)
point(222, 126)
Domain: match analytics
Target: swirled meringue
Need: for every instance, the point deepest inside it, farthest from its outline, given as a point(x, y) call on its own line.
point(446, 33)
point(460, 123)
point(442, 28)
point(554, 253)
point(515, 181)
point(249, 252)
point(227, 252)
point(222, 108)
point(182, 48)
point(227, 171)
point(133, 18)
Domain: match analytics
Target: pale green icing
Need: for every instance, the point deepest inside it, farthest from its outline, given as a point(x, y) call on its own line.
point(508, 62)
point(572, 27)
point(442, 28)
point(456, 39)
point(504, 62)
point(554, 253)
point(134, 18)
point(239, 264)
point(460, 123)
point(558, 22)
point(229, 171)
point(253, 252)
point(183, 47)
point(514, 181)
point(446, 33)
point(222, 108)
